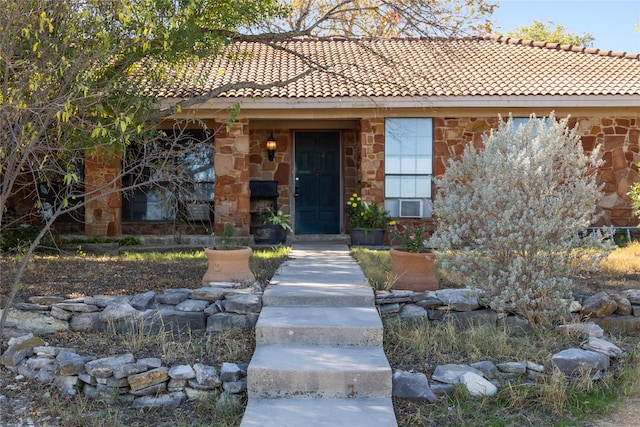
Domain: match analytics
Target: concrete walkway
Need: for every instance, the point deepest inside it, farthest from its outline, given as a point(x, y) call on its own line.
point(319, 358)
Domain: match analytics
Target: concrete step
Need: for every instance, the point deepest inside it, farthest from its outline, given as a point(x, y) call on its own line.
point(318, 294)
point(319, 326)
point(323, 371)
point(362, 412)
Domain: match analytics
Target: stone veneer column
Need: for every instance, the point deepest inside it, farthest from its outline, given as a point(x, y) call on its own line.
point(372, 159)
point(103, 215)
point(231, 164)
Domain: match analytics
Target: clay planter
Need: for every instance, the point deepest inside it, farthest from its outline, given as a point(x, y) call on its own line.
point(228, 265)
point(364, 237)
point(413, 271)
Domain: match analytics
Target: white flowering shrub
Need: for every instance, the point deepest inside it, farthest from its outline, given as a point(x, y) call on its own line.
point(634, 196)
point(511, 218)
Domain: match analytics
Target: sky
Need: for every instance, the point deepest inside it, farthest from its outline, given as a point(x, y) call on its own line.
point(613, 23)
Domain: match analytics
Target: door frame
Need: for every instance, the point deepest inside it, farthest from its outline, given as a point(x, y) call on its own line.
point(294, 169)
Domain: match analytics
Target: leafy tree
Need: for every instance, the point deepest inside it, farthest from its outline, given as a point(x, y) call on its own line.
point(384, 18)
point(551, 32)
point(511, 218)
point(73, 75)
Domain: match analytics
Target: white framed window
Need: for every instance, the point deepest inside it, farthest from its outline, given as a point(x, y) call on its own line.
point(408, 154)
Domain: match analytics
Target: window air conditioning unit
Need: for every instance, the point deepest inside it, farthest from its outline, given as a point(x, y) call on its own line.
point(410, 208)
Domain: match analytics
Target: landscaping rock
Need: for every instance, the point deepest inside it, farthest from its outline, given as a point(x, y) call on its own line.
point(36, 323)
point(206, 375)
point(459, 299)
point(412, 312)
point(512, 367)
point(223, 321)
point(450, 373)
point(174, 296)
point(577, 361)
point(105, 367)
point(633, 295)
point(629, 325)
point(143, 301)
point(235, 387)
point(599, 305)
point(19, 349)
point(624, 305)
point(412, 386)
point(477, 385)
point(603, 346)
point(68, 385)
point(71, 363)
point(230, 372)
point(182, 372)
point(149, 378)
point(170, 400)
point(589, 328)
point(243, 304)
point(192, 305)
point(487, 367)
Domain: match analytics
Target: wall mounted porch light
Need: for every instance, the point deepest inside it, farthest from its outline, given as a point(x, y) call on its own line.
point(271, 147)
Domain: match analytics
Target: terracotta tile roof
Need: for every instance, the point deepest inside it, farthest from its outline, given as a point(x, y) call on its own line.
point(478, 66)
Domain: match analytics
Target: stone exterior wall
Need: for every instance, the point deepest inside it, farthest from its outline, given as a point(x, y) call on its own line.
point(231, 164)
point(103, 216)
point(619, 138)
point(241, 156)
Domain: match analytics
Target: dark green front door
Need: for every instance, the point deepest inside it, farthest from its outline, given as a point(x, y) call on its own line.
point(317, 183)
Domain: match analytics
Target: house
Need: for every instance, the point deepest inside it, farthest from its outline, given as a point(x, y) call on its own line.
point(377, 117)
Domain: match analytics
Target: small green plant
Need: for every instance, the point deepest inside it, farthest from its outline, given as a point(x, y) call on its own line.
point(367, 215)
point(271, 217)
point(226, 239)
point(412, 239)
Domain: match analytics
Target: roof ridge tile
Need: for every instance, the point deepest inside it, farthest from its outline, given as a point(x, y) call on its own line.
point(498, 38)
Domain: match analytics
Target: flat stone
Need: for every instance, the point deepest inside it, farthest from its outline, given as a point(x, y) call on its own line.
point(44, 299)
point(487, 367)
point(577, 361)
point(180, 320)
point(77, 307)
point(30, 307)
point(71, 363)
point(477, 385)
point(441, 389)
point(143, 301)
point(243, 304)
point(149, 378)
point(174, 296)
point(170, 400)
point(197, 394)
point(86, 322)
point(603, 346)
point(512, 367)
point(235, 387)
point(224, 321)
point(450, 373)
point(58, 313)
point(536, 367)
point(633, 295)
point(151, 362)
point(37, 323)
point(412, 386)
point(37, 363)
point(113, 382)
point(431, 301)
point(182, 372)
point(389, 308)
point(153, 390)
point(104, 367)
point(128, 369)
point(103, 301)
point(115, 313)
point(459, 299)
point(192, 305)
point(210, 294)
point(587, 328)
point(206, 375)
point(232, 372)
point(17, 352)
point(635, 310)
point(412, 311)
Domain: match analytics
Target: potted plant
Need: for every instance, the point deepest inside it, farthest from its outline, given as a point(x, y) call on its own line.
point(227, 261)
point(412, 263)
point(274, 227)
point(367, 222)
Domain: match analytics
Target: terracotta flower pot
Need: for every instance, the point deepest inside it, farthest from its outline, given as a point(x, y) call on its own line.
point(413, 271)
point(228, 265)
